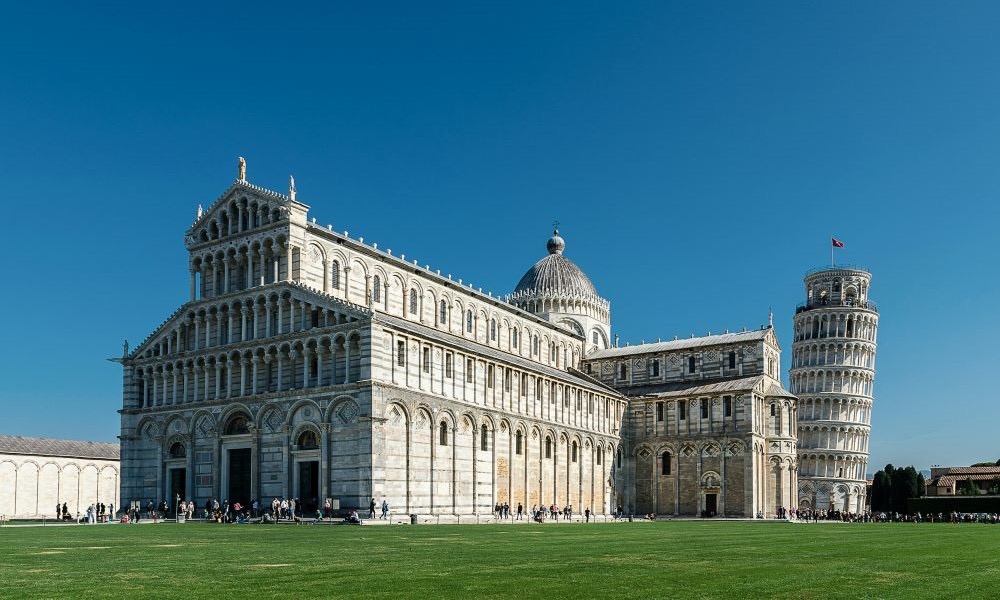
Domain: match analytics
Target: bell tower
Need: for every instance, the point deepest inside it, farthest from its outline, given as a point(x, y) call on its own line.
point(832, 373)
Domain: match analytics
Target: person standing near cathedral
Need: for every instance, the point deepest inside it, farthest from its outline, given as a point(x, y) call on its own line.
point(385, 509)
point(371, 509)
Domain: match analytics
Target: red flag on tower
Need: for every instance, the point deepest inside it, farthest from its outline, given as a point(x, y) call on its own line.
point(837, 243)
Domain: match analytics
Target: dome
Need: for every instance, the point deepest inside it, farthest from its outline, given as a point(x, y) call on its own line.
point(555, 275)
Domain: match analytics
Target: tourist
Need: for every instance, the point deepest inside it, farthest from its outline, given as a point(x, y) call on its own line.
point(520, 510)
point(371, 509)
point(385, 509)
point(586, 515)
point(327, 509)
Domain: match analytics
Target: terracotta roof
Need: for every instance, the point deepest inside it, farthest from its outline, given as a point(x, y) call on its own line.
point(698, 342)
point(971, 471)
point(16, 444)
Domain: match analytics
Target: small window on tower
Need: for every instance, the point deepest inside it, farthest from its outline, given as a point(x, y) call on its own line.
point(732, 360)
point(690, 364)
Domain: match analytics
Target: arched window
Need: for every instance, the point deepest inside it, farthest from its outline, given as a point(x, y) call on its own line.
point(307, 440)
point(548, 447)
point(468, 321)
point(413, 301)
point(484, 440)
point(600, 454)
point(537, 345)
point(443, 312)
point(573, 456)
point(513, 338)
point(595, 338)
point(376, 289)
point(443, 433)
point(238, 425)
point(619, 458)
point(335, 275)
point(665, 468)
point(178, 450)
point(493, 330)
point(518, 440)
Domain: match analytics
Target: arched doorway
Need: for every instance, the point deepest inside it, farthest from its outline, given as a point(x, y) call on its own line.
point(237, 476)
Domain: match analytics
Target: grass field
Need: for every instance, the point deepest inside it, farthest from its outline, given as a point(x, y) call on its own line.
point(680, 559)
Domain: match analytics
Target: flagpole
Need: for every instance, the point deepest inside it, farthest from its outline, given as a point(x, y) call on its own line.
point(832, 263)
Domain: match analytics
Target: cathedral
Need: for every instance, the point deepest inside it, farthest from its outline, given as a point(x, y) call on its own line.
point(308, 364)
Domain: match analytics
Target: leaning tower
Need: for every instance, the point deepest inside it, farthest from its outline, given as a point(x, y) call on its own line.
point(833, 369)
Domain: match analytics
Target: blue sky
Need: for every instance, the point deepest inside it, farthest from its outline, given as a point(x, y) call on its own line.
point(698, 156)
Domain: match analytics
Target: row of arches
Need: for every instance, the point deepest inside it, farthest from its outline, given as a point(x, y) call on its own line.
point(241, 215)
point(591, 306)
point(849, 439)
point(853, 410)
point(844, 290)
point(317, 361)
point(32, 487)
point(845, 381)
point(440, 457)
point(824, 496)
point(826, 324)
point(838, 466)
point(261, 315)
point(266, 259)
point(849, 354)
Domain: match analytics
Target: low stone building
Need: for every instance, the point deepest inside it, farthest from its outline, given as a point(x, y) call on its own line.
point(36, 474)
point(951, 481)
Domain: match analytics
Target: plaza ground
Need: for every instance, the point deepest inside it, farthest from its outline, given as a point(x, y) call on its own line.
point(676, 559)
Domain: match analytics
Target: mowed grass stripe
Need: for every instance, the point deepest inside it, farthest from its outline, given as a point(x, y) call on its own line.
point(680, 559)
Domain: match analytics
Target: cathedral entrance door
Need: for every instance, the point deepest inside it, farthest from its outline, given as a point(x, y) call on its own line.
point(178, 483)
point(711, 504)
point(239, 476)
point(308, 488)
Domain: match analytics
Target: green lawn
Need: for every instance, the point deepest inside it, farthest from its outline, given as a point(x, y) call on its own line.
point(684, 559)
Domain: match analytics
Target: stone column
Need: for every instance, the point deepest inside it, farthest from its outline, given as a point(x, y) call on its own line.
point(208, 380)
point(243, 324)
point(281, 317)
point(324, 453)
point(255, 363)
point(347, 360)
point(194, 278)
point(218, 380)
point(263, 265)
point(306, 355)
point(173, 391)
point(267, 319)
point(288, 261)
point(225, 283)
point(187, 372)
point(243, 376)
point(280, 369)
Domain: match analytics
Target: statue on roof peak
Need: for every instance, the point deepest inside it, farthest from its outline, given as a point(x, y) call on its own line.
point(242, 171)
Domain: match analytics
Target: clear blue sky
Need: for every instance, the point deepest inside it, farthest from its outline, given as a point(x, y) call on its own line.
point(698, 156)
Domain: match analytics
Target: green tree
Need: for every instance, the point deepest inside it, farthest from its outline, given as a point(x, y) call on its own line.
point(969, 488)
point(881, 491)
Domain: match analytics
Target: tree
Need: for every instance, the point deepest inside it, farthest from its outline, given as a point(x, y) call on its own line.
point(892, 487)
point(969, 488)
point(881, 491)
